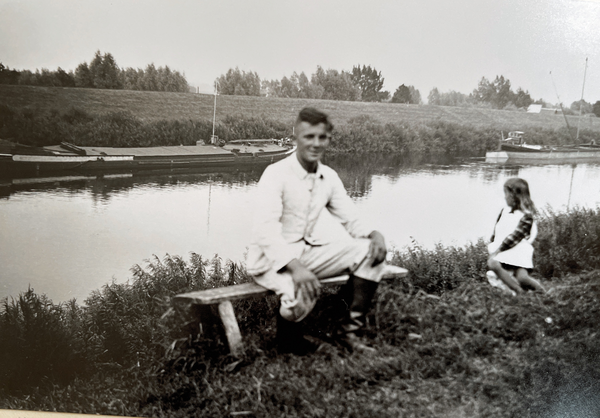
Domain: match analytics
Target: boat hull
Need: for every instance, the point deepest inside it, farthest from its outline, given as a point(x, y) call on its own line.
point(552, 156)
point(101, 160)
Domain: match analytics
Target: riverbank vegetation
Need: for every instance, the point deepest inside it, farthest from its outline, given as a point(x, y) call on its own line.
point(448, 343)
point(360, 127)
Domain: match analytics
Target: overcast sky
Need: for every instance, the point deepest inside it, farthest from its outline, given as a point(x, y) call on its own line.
point(448, 44)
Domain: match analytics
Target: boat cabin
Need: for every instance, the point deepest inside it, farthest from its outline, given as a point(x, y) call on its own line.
point(515, 138)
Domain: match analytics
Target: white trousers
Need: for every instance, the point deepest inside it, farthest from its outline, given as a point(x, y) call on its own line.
point(340, 257)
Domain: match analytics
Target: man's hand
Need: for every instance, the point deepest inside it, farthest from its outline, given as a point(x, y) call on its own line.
point(304, 279)
point(377, 249)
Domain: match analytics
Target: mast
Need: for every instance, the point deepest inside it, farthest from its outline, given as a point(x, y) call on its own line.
point(581, 101)
point(561, 108)
point(212, 138)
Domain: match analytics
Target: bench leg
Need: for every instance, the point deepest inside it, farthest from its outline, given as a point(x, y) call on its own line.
point(232, 329)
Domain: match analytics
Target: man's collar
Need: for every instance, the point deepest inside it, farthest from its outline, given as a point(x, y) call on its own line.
point(301, 171)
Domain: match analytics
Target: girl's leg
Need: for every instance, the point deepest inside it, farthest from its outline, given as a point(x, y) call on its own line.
point(525, 279)
point(504, 275)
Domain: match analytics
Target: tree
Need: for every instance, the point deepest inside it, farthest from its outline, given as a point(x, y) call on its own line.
point(335, 85)
point(433, 98)
point(503, 93)
point(306, 89)
point(131, 78)
point(110, 73)
point(415, 95)
point(83, 76)
point(239, 83)
point(150, 80)
point(596, 108)
point(95, 68)
point(522, 99)
point(583, 105)
point(27, 78)
point(65, 79)
point(401, 95)
point(288, 88)
point(47, 78)
point(454, 98)
point(498, 94)
point(8, 76)
point(370, 83)
point(485, 91)
point(178, 82)
point(271, 88)
point(104, 71)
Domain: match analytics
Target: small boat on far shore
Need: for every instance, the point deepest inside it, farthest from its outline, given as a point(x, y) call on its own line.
point(515, 149)
point(18, 159)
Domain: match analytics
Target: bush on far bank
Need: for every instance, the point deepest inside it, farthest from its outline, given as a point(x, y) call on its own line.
point(360, 134)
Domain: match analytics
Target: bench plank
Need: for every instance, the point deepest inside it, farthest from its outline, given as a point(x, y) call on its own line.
point(249, 290)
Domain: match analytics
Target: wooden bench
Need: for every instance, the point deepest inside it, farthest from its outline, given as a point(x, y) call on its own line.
point(224, 295)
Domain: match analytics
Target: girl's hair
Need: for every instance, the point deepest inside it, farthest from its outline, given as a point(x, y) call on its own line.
point(519, 190)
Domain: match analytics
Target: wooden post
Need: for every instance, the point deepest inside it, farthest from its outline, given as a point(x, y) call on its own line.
point(232, 329)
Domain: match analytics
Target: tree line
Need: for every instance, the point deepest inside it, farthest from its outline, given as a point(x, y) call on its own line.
point(498, 94)
point(101, 73)
point(364, 83)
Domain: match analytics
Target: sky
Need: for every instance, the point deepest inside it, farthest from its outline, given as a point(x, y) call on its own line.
point(541, 46)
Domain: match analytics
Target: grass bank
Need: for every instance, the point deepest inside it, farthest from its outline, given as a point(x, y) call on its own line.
point(49, 115)
point(449, 344)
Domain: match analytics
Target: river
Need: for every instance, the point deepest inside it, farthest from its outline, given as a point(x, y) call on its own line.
point(68, 236)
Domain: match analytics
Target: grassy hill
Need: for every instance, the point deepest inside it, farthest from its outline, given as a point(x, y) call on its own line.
point(155, 106)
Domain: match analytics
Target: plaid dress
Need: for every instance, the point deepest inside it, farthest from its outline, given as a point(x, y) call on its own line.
point(514, 233)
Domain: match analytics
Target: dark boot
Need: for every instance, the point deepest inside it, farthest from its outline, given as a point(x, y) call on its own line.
point(358, 294)
point(290, 338)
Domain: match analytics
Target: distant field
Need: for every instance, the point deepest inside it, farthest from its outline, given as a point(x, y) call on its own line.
point(153, 106)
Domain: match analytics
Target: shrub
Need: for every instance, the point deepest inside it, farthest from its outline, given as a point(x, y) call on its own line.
point(40, 341)
point(443, 268)
point(568, 242)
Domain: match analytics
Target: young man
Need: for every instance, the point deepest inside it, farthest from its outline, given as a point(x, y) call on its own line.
point(289, 257)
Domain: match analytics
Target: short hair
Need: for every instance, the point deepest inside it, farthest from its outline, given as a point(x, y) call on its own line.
point(314, 117)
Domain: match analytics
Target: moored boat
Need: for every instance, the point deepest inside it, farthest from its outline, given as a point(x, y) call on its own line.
point(515, 149)
point(18, 159)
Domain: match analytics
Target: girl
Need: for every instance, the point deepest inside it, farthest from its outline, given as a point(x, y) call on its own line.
point(510, 247)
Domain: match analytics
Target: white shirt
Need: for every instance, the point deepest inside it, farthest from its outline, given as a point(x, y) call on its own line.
point(521, 254)
point(288, 203)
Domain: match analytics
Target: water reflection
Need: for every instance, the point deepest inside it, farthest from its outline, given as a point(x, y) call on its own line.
point(67, 236)
point(104, 187)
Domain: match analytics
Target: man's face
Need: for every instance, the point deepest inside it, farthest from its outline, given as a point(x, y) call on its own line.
point(311, 142)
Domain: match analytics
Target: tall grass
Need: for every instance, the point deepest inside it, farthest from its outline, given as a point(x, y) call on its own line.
point(449, 344)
